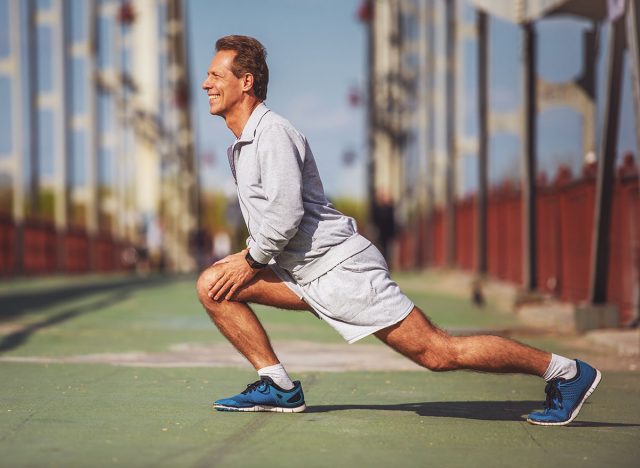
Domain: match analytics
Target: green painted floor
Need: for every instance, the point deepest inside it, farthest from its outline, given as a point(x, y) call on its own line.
point(103, 415)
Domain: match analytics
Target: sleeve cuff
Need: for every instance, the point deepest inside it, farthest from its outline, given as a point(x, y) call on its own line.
point(258, 255)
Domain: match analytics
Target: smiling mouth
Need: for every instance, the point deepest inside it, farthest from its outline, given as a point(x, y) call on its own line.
point(213, 97)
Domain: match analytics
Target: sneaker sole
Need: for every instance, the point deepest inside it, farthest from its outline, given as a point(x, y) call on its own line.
point(575, 412)
point(262, 408)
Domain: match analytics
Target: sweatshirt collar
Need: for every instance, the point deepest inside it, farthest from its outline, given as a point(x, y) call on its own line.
point(249, 130)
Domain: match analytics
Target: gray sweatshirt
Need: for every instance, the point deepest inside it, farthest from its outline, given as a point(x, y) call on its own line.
point(283, 203)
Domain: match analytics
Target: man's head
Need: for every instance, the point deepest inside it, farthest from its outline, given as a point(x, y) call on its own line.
point(250, 58)
point(238, 75)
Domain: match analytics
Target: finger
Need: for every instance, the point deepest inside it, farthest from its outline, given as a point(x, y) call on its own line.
point(213, 283)
point(232, 291)
point(214, 275)
point(216, 286)
point(223, 289)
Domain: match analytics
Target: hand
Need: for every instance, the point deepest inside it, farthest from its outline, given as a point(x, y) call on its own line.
point(233, 272)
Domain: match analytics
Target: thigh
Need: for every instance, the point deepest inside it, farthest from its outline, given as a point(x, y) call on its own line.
point(266, 288)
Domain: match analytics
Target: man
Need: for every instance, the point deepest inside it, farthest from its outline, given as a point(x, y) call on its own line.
point(304, 254)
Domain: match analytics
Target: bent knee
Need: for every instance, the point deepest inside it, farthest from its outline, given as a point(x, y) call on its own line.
point(204, 283)
point(441, 357)
point(202, 286)
point(438, 363)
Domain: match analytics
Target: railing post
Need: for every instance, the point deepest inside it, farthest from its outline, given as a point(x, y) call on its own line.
point(608, 149)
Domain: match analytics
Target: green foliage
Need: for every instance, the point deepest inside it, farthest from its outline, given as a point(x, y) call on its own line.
point(44, 208)
point(213, 208)
point(213, 213)
point(356, 208)
point(6, 200)
point(214, 205)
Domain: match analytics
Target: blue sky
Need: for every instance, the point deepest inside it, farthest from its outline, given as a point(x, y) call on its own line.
point(316, 52)
point(559, 128)
point(317, 55)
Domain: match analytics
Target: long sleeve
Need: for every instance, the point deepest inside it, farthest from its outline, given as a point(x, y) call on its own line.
point(281, 163)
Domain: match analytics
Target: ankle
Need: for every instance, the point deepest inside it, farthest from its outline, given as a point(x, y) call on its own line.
point(560, 368)
point(278, 374)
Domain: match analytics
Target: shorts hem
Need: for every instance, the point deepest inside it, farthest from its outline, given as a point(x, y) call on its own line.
point(288, 281)
point(381, 327)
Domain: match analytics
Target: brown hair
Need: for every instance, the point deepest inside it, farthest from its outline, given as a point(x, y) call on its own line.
point(251, 57)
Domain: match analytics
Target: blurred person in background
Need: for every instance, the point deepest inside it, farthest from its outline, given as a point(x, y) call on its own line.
point(385, 221)
point(221, 245)
point(155, 243)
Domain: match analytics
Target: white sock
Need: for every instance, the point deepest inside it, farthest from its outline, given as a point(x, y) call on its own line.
point(560, 368)
point(278, 374)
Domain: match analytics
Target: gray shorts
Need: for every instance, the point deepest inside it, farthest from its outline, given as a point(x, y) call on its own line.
point(357, 297)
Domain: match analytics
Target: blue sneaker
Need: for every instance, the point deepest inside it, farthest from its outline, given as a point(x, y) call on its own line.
point(565, 397)
point(265, 395)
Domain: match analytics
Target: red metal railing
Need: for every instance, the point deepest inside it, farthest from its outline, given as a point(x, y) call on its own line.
point(7, 245)
point(576, 239)
point(39, 247)
point(465, 233)
point(77, 251)
point(504, 234)
point(624, 255)
point(564, 234)
point(439, 244)
point(549, 264)
point(45, 251)
point(108, 254)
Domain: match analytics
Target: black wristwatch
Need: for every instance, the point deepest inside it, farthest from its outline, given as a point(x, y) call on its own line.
point(253, 263)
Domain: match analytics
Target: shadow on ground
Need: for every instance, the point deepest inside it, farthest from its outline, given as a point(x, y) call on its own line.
point(480, 410)
point(14, 305)
point(21, 336)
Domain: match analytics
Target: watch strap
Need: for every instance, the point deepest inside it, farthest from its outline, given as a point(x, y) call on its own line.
point(254, 263)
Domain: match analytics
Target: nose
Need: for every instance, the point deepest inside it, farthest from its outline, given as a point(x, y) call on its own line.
point(205, 84)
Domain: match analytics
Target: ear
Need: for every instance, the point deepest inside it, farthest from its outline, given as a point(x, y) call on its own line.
point(247, 82)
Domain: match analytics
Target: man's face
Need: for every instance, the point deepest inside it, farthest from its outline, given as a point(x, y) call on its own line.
point(222, 86)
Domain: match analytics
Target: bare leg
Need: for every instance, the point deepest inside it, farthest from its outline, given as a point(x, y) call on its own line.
point(238, 323)
point(418, 339)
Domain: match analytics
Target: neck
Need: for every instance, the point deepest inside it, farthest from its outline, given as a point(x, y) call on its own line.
point(238, 119)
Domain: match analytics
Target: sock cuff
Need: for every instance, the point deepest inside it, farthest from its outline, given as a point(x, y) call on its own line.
point(560, 367)
point(273, 368)
point(278, 374)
